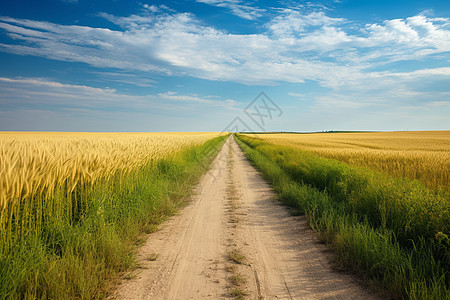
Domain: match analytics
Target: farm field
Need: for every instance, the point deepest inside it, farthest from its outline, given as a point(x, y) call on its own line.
point(72, 205)
point(424, 156)
point(86, 216)
point(39, 163)
point(387, 227)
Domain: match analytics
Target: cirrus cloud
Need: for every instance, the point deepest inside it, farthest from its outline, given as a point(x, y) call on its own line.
point(296, 47)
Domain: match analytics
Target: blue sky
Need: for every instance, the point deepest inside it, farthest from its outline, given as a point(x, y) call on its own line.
point(79, 65)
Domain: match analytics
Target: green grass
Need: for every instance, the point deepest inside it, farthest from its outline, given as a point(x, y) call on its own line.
point(236, 256)
point(80, 241)
point(393, 231)
point(238, 293)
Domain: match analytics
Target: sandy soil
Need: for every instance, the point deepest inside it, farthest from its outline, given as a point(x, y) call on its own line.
point(234, 216)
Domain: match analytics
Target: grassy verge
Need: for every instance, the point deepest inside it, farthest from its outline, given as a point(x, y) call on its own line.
point(72, 246)
point(395, 232)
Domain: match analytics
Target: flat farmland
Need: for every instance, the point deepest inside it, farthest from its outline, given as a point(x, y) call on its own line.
point(423, 155)
point(38, 163)
point(197, 216)
point(381, 200)
point(72, 205)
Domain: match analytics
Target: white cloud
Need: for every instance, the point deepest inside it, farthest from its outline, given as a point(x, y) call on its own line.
point(237, 7)
point(140, 80)
point(408, 39)
point(296, 47)
point(441, 104)
point(229, 104)
point(293, 22)
point(39, 91)
point(387, 91)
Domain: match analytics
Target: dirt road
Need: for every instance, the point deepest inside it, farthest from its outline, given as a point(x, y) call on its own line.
point(235, 240)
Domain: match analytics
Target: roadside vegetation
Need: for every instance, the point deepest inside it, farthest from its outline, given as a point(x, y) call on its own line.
point(73, 206)
point(393, 231)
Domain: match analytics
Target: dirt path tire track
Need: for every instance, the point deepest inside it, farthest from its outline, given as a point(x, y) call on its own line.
point(283, 258)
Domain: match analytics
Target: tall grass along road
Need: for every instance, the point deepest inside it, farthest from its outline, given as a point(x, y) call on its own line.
point(74, 205)
point(383, 225)
point(235, 241)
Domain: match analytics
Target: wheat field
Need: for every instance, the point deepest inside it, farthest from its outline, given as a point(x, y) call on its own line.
point(396, 230)
point(72, 205)
point(424, 156)
point(37, 163)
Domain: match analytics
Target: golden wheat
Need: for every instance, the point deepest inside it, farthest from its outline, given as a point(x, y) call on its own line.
point(37, 163)
point(424, 156)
